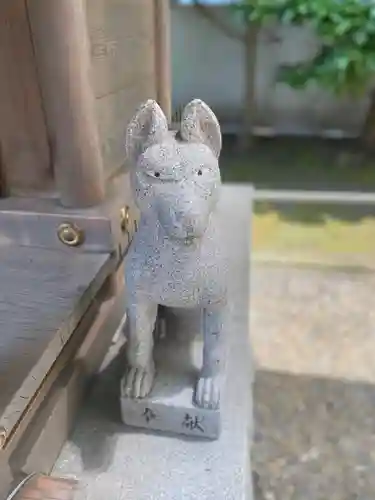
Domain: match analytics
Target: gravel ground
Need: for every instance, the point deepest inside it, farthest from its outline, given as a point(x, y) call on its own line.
point(314, 343)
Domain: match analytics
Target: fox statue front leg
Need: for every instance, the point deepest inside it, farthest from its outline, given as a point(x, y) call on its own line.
point(140, 376)
point(207, 392)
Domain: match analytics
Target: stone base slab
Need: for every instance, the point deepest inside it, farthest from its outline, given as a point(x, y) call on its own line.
point(170, 407)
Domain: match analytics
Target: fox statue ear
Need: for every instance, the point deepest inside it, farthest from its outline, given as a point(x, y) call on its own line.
point(148, 126)
point(199, 124)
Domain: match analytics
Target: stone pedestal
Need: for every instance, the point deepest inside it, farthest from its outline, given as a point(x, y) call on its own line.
point(178, 359)
point(124, 463)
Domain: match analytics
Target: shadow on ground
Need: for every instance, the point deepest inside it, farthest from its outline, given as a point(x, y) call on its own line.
point(314, 392)
point(314, 438)
point(101, 413)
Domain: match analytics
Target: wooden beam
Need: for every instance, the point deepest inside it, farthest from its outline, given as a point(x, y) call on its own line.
point(59, 29)
point(163, 55)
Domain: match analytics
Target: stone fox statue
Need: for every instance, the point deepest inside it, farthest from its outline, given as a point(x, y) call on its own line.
point(175, 258)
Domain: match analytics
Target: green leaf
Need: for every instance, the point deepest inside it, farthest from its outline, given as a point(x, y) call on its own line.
point(346, 61)
point(361, 37)
point(343, 27)
point(288, 16)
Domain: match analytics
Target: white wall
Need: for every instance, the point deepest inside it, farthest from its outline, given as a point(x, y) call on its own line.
point(209, 65)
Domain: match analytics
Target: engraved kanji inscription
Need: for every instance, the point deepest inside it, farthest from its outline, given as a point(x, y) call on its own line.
point(192, 423)
point(149, 415)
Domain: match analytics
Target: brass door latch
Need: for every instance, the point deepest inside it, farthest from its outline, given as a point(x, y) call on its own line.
point(3, 437)
point(126, 223)
point(125, 219)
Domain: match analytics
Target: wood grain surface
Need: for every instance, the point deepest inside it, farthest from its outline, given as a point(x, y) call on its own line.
point(163, 56)
point(34, 222)
point(25, 158)
point(43, 296)
point(123, 68)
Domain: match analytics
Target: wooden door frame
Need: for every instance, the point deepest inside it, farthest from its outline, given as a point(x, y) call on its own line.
point(162, 10)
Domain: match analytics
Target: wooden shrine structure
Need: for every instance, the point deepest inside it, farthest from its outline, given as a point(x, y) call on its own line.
point(72, 74)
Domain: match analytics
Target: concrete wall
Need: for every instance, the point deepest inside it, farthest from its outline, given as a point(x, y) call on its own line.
point(208, 64)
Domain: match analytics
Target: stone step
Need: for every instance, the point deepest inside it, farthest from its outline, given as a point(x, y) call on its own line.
point(121, 463)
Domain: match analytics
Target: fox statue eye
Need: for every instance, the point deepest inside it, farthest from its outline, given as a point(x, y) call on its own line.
point(154, 174)
point(200, 172)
